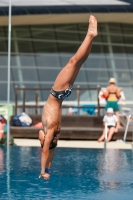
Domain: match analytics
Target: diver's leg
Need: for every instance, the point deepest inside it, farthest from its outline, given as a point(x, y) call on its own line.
point(69, 73)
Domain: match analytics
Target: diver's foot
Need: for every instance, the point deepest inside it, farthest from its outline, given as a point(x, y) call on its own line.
point(41, 138)
point(92, 31)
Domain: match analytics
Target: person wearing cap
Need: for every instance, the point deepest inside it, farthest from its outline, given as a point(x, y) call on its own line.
point(1, 129)
point(111, 122)
point(113, 95)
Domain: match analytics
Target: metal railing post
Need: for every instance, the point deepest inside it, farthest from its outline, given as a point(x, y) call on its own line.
point(36, 102)
point(78, 98)
point(98, 102)
point(24, 96)
point(16, 99)
point(125, 134)
point(106, 136)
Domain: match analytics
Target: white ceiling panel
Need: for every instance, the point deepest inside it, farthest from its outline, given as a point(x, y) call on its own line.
point(61, 2)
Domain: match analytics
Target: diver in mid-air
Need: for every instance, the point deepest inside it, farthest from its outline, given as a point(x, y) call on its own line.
point(62, 88)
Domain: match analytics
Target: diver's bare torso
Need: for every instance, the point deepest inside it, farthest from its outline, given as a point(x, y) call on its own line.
point(51, 115)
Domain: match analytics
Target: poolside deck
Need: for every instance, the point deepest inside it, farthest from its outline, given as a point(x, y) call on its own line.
point(77, 144)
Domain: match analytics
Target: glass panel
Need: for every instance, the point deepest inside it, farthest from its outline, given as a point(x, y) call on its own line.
point(128, 92)
point(82, 77)
point(48, 75)
point(100, 38)
point(29, 75)
point(30, 94)
point(83, 27)
point(45, 93)
point(3, 45)
point(121, 63)
point(23, 75)
point(3, 74)
point(3, 60)
point(69, 34)
point(98, 76)
point(3, 92)
point(2, 32)
point(66, 27)
point(93, 94)
point(12, 96)
point(102, 27)
point(64, 58)
point(123, 76)
point(94, 62)
point(6, 30)
point(27, 60)
point(129, 50)
point(47, 47)
point(68, 47)
point(114, 28)
point(13, 60)
point(48, 60)
point(116, 39)
point(130, 61)
point(119, 49)
point(127, 28)
point(15, 73)
point(25, 46)
point(43, 32)
point(21, 32)
point(128, 40)
point(82, 30)
point(99, 48)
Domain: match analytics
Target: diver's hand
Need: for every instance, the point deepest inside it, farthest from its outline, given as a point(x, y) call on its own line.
point(45, 176)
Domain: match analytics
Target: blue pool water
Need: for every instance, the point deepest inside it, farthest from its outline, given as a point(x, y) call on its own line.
point(88, 174)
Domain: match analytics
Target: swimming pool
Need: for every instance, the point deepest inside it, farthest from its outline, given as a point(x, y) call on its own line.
point(89, 174)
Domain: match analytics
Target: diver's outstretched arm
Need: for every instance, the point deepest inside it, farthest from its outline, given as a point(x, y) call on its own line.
point(45, 152)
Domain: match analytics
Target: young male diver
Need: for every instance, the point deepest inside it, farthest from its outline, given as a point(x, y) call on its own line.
point(62, 88)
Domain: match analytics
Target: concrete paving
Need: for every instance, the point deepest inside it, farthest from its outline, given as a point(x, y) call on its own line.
point(77, 144)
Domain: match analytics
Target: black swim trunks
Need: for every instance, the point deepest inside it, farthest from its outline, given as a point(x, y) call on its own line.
point(53, 143)
point(62, 94)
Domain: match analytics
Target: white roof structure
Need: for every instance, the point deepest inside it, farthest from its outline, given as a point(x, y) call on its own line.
point(5, 3)
point(27, 12)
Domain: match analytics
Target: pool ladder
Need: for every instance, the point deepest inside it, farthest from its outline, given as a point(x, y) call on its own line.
point(129, 121)
point(106, 137)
